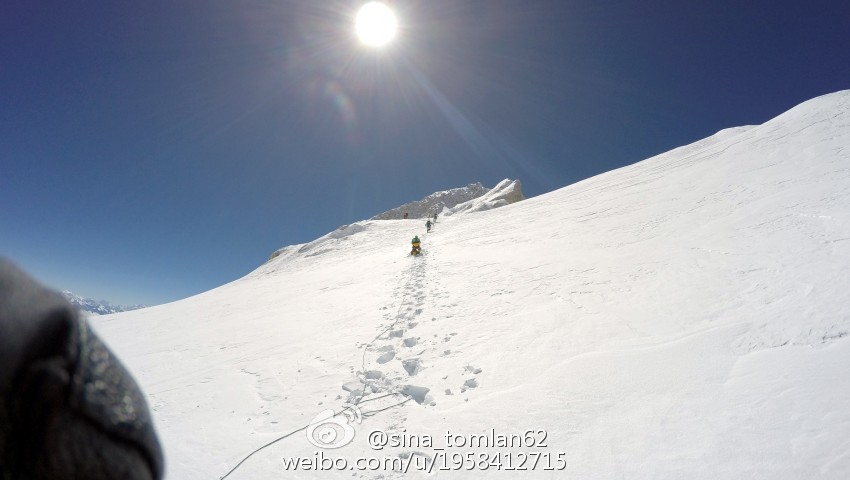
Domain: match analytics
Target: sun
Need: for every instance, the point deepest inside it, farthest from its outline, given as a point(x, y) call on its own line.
point(375, 24)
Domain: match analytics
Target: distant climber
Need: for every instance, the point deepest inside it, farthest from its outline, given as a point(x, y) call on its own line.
point(405, 215)
point(428, 225)
point(416, 250)
point(435, 218)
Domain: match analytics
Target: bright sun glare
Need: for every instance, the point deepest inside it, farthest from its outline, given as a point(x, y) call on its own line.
point(375, 24)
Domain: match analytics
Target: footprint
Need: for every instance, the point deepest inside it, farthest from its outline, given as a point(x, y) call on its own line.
point(411, 342)
point(418, 394)
point(386, 357)
point(411, 365)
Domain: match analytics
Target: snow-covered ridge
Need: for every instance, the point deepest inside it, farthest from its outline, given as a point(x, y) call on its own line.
point(505, 193)
point(97, 307)
point(469, 199)
point(434, 203)
point(324, 243)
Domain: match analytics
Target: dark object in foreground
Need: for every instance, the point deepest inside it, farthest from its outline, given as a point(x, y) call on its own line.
point(68, 408)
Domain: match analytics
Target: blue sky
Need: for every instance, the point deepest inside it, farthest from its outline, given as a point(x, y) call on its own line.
point(153, 150)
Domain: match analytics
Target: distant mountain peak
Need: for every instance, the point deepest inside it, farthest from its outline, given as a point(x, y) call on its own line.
point(434, 203)
point(96, 307)
point(505, 193)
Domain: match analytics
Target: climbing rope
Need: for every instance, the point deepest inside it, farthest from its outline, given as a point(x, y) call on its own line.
point(358, 402)
point(366, 414)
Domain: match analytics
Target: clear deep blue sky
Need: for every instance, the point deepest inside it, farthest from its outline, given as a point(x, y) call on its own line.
point(156, 149)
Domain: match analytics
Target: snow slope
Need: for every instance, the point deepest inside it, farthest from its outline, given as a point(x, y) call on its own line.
point(683, 317)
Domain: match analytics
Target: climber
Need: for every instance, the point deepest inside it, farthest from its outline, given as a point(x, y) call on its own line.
point(428, 225)
point(416, 250)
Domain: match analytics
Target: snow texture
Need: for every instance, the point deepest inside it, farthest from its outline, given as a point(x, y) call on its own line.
point(682, 317)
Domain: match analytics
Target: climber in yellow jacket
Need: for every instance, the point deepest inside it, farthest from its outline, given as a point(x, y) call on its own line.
point(416, 248)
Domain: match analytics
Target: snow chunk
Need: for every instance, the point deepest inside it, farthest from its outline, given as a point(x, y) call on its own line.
point(418, 394)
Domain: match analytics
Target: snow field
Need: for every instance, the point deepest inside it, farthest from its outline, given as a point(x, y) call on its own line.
point(683, 317)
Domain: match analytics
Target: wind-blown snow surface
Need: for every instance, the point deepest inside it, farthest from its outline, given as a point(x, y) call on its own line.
point(683, 317)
